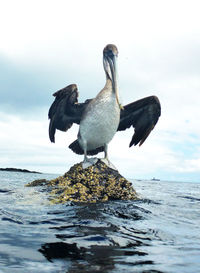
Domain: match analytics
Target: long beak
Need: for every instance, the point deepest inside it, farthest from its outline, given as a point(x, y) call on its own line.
point(113, 69)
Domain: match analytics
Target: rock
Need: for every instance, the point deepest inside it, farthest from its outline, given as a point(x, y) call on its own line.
point(17, 170)
point(38, 182)
point(93, 184)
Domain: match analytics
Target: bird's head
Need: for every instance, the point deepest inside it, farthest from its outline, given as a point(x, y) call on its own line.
point(110, 54)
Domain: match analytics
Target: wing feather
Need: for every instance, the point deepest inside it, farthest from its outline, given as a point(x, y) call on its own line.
point(65, 110)
point(143, 116)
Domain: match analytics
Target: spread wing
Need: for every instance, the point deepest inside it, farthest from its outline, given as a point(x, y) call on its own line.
point(143, 116)
point(65, 110)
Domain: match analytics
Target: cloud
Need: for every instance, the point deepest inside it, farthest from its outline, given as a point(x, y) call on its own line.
point(21, 89)
point(25, 143)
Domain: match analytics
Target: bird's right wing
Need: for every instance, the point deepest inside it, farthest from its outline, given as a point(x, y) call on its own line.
point(65, 110)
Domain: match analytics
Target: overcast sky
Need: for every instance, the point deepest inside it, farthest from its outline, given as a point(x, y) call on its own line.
point(46, 45)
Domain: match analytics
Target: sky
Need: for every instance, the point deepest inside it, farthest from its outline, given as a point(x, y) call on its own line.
point(47, 45)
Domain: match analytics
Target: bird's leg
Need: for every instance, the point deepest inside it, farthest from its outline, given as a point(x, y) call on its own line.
point(87, 162)
point(105, 159)
point(85, 153)
point(106, 152)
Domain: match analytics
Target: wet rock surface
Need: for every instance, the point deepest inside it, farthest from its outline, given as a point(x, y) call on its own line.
point(95, 183)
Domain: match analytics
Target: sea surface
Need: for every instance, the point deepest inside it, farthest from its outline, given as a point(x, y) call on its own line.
point(158, 233)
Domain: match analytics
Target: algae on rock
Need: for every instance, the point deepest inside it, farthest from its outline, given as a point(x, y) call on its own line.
point(95, 183)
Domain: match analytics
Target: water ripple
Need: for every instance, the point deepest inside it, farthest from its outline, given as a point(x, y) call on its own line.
point(159, 233)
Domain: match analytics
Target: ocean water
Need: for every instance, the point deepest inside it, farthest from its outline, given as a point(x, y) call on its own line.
point(158, 233)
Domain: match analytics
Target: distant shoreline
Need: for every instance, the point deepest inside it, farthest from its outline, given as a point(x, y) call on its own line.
point(17, 170)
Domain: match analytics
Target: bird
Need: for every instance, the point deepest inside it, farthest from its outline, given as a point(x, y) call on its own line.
point(101, 117)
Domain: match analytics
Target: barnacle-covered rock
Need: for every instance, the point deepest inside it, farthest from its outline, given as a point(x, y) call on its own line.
point(95, 183)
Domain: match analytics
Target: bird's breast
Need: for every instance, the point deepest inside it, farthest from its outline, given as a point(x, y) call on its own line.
point(100, 121)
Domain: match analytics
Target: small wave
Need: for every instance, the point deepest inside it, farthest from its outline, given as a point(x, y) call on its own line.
point(191, 198)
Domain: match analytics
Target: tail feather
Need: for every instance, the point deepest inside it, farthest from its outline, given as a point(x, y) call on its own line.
point(76, 148)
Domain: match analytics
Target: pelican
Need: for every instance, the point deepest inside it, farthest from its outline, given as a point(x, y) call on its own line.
point(101, 117)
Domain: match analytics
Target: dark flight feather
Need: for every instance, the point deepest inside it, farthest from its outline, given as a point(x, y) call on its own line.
point(65, 110)
point(76, 148)
point(143, 115)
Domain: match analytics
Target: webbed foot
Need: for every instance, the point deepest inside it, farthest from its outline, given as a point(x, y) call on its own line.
point(108, 163)
point(89, 162)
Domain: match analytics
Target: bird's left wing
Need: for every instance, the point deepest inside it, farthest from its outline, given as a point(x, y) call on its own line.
point(142, 115)
point(65, 110)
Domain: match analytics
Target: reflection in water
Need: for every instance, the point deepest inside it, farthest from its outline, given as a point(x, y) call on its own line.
point(99, 237)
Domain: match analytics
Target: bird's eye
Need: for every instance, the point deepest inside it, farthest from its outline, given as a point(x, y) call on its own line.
point(109, 53)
